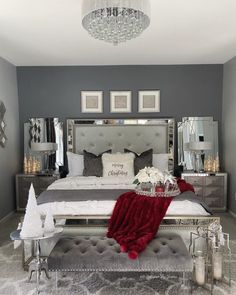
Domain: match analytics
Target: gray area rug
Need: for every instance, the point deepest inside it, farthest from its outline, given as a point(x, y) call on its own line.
point(13, 280)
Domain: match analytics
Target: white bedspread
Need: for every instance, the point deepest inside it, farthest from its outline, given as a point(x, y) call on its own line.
point(106, 207)
point(92, 182)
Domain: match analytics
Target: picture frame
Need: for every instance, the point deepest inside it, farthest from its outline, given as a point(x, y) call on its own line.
point(149, 101)
point(120, 101)
point(91, 101)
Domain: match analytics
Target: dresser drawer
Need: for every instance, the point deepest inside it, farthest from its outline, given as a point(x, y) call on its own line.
point(45, 181)
point(199, 191)
point(211, 189)
point(195, 180)
point(214, 180)
point(215, 202)
point(214, 191)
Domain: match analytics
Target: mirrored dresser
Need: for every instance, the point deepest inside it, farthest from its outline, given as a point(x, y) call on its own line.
point(23, 182)
point(211, 188)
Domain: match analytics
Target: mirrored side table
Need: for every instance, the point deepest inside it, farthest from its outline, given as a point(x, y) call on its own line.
point(38, 264)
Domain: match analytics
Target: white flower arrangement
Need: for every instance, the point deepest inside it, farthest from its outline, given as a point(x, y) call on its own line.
point(153, 176)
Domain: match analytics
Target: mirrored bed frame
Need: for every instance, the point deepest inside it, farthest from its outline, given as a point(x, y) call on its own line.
point(138, 135)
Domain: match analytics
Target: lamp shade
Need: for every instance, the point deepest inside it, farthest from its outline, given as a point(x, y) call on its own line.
point(44, 146)
point(200, 145)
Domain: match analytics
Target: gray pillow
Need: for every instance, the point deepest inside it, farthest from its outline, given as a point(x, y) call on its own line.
point(141, 161)
point(93, 164)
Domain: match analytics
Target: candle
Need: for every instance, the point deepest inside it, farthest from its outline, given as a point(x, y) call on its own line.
point(217, 265)
point(200, 270)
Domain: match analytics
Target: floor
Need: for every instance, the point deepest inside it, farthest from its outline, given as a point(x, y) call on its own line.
point(13, 279)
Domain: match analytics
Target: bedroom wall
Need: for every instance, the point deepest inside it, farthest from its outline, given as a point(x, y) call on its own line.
point(10, 155)
point(228, 129)
point(188, 90)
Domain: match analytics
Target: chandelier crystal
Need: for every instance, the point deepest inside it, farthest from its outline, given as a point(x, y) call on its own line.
point(115, 21)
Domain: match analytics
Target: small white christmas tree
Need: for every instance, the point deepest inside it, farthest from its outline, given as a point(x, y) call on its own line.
point(32, 224)
point(49, 226)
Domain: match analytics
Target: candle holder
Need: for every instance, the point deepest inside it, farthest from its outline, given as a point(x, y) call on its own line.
point(199, 271)
point(217, 264)
point(215, 250)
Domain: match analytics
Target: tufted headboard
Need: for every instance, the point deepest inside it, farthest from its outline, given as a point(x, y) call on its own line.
point(96, 136)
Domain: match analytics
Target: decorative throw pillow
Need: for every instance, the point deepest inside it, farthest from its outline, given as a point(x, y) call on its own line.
point(161, 161)
point(93, 164)
point(75, 164)
point(141, 161)
point(118, 165)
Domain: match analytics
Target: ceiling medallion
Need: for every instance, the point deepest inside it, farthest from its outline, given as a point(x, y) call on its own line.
point(115, 21)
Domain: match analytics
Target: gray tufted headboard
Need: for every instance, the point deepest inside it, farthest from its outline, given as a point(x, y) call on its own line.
point(96, 136)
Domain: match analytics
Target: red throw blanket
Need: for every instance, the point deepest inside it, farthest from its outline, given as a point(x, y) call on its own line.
point(135, 221)
point(184, 186)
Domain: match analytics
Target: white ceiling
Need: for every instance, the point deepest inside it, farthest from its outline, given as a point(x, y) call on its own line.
point(49, 32)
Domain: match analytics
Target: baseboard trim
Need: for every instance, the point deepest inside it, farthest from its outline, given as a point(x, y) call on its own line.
point(232, 213)
point(7, 216)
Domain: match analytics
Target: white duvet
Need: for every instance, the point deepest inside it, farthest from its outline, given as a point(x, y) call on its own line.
point(106, 207)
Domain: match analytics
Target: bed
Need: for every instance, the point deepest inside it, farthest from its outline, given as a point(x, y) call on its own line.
point(80, 197)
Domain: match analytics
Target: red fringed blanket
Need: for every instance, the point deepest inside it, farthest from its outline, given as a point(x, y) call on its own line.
point(135, 221)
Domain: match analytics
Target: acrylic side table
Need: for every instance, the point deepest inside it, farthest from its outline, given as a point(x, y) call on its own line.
point(38, 264)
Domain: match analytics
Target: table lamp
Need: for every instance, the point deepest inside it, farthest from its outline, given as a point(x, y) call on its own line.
point(46, 148)
point(198, 147)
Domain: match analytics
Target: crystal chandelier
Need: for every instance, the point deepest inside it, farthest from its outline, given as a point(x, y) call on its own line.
point(115, 21)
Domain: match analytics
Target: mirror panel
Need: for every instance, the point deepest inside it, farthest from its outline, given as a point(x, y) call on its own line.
point(194, 129)
point(38, 130)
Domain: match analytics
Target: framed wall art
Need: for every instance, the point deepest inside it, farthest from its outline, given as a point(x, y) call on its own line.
point(120, 101)
point(91, 101)
point(149, 101)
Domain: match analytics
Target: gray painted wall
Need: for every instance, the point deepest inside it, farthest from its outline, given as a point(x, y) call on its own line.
point(10, 155)
point(186, 90)
point(228, 129)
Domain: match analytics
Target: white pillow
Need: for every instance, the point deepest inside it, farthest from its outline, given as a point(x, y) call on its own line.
point(160, 161)
point(75, 164)
point(118, 165)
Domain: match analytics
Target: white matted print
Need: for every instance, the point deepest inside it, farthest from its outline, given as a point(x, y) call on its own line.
point(120, 101)
point(149, 101)
point(91, 101)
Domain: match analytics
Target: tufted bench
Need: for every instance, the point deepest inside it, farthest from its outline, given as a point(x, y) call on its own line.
point(165, 253)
